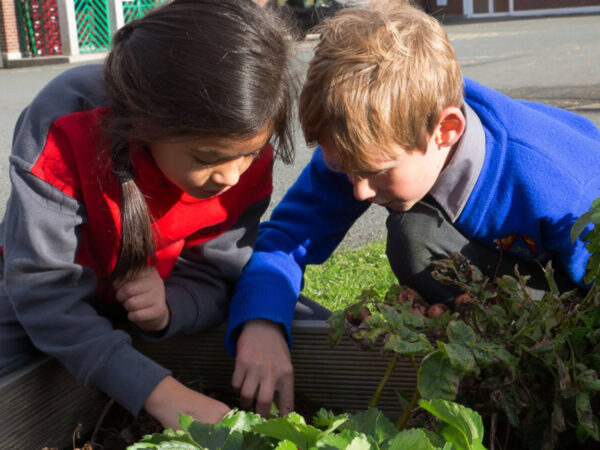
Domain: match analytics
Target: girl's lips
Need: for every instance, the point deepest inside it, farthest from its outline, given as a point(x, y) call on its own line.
point(205, 193)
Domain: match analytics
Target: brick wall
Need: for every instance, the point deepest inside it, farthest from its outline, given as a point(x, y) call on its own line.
point(453, 7)
point(9, 33)
point(521, 5)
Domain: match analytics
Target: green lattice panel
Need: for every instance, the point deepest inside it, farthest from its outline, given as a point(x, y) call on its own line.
point(93, 29)
point(134, 9)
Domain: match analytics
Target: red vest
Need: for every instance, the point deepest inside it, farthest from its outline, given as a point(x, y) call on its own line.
point(74, 161)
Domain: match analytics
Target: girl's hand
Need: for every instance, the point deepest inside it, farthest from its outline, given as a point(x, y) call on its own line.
point(144, 298)
point(170, 397)
point(263, 367)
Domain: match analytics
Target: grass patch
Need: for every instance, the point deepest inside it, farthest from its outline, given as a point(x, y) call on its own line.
point(336, 283)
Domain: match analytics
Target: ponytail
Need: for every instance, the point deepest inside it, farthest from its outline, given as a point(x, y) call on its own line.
point(137, 238)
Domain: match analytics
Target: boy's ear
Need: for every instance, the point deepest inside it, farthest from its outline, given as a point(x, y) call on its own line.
point(450, 127)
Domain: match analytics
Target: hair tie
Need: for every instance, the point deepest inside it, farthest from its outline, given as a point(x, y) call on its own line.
point(123, 175)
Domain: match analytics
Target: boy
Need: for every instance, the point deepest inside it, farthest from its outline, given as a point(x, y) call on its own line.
point(459, 167)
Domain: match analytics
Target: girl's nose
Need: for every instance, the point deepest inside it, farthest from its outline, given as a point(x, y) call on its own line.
point(228, 173)
point(363, 190)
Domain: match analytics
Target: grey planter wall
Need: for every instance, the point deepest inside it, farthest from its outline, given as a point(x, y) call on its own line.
point(41, 405)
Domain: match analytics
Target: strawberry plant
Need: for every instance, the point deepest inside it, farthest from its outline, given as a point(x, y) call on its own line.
point(529, 366)
point(460, 429)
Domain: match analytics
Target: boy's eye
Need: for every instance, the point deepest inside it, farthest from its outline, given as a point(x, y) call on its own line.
point(363, 175)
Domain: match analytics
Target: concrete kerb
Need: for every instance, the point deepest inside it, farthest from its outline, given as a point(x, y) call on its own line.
point(20, 63)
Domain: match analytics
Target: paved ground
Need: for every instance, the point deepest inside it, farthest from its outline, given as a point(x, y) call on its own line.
point(554, 60)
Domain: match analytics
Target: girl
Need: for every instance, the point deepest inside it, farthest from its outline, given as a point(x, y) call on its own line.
point(143, 184)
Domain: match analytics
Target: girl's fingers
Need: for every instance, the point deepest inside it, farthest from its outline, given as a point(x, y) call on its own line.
point(144, 282)
point(130, 289)
point(146, 315)
point(139, 302)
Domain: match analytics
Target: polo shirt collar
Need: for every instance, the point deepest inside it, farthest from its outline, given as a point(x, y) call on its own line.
point(456, 182)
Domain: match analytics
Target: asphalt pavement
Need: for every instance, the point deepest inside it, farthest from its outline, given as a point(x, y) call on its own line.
point(555, 60)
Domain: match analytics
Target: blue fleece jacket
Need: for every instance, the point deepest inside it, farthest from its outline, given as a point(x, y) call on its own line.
point(540, 172)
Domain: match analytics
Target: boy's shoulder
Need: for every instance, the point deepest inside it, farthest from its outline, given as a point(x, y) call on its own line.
point(522, 119)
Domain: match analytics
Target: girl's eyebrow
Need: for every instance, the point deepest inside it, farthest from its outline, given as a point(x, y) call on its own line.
point(215, 154)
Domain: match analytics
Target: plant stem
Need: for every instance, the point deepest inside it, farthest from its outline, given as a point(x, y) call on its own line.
point(388, 373)
point(493, 430)
point(401, 423)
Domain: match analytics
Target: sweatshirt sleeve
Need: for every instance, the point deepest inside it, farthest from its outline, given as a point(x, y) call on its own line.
point(53, 295)
point(305, 228)
point(201, 284)
point(573, 255)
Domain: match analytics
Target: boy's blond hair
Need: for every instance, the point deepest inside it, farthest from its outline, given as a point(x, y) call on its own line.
point(381, 74)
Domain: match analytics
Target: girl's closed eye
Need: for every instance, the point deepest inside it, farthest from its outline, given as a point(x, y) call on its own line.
point(200, 162)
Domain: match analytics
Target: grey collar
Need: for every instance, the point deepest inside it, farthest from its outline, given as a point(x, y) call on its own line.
point(455, 184)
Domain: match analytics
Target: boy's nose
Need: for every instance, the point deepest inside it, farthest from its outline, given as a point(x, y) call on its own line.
point(228, 173)
point(363, 189)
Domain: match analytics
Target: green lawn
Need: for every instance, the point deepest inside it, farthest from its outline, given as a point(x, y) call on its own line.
point(338, 281)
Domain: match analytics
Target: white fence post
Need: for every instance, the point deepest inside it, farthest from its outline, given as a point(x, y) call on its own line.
point(115, 15)
point(68, 27)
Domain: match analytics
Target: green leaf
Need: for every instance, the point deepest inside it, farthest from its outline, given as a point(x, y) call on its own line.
point(460, 357)
point(290, 427)
point(396, 344)
point(413, 439)
point(460, 333)
point(455, 437)
point(403, 398)
point(483, 358)
point(361, 443)
point(372, 423)
point(507, 404)
point(586, 415)
point(185, 421)
point(588, 380)
point(337, 321)
point(338, 441)
point(170, 437)
point(241, 420)
point(286, 445)
point(542, 347)
point(592, 216)
point(437, 378)
point(177, 445)
point(558, 417)
point(435, 439)
point(325, 419)
point(496, 352)
point(465, 428)
point(208, 436)
point(392, 316)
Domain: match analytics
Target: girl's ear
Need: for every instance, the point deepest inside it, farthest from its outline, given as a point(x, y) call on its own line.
point(450, 127)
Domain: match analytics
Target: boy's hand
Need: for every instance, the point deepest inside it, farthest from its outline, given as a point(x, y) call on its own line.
point(144, 298)
point(263, 366)
point(170, 397)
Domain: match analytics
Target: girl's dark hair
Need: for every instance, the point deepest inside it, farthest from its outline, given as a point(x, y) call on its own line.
point(193, 68)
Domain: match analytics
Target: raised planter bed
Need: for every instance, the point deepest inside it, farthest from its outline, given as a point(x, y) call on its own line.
point(42, 404)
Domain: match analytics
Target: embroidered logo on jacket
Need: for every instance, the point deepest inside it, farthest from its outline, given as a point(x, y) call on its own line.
point(518, 244)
